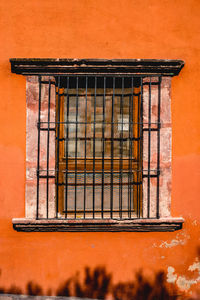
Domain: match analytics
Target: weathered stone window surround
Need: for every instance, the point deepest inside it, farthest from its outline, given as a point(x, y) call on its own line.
point(31, 69)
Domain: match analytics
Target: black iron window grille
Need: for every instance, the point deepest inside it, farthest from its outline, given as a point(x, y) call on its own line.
point(103, 144)
point(99, 131)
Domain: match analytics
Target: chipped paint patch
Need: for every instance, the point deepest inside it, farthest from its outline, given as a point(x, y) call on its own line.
point(173, 243)
point(171, 277)
point(182, 282)
point(195, 266)
point(181, 239)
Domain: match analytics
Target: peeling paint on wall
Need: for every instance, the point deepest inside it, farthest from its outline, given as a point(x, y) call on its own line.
point(182, 282)
point(171, 277)
point(180, 239)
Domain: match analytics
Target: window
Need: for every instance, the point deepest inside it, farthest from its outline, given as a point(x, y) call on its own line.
point(98, 145)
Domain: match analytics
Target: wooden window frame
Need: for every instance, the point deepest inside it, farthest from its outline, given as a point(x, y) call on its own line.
point(136, 160)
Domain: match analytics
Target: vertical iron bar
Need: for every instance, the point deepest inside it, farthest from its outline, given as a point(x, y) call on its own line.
point(66, 150)
point(112, 136)
point(58, 148)
point(121, 149)
point(129, 154)
point(103, 146)
point(131, 147)
point(95, 87)
point(138, 155)
point(149, 151)
point(48, 122)
point(158, 148)
point(38, 150)
point(141, 145)
point(84, 201)
point(76, 148)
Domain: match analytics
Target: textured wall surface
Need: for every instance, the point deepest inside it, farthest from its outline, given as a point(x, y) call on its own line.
point(32, 97)
point(100, 29)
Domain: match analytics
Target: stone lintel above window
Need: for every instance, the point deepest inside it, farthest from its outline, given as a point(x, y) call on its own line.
point(59, 66)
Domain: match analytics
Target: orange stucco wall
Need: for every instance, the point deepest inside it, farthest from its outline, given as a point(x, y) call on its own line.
point(99, 29)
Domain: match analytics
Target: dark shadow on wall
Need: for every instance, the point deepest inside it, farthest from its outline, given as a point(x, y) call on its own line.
point(97, 284)
point(198, 251)
point(142, 288)
point(32, 289)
